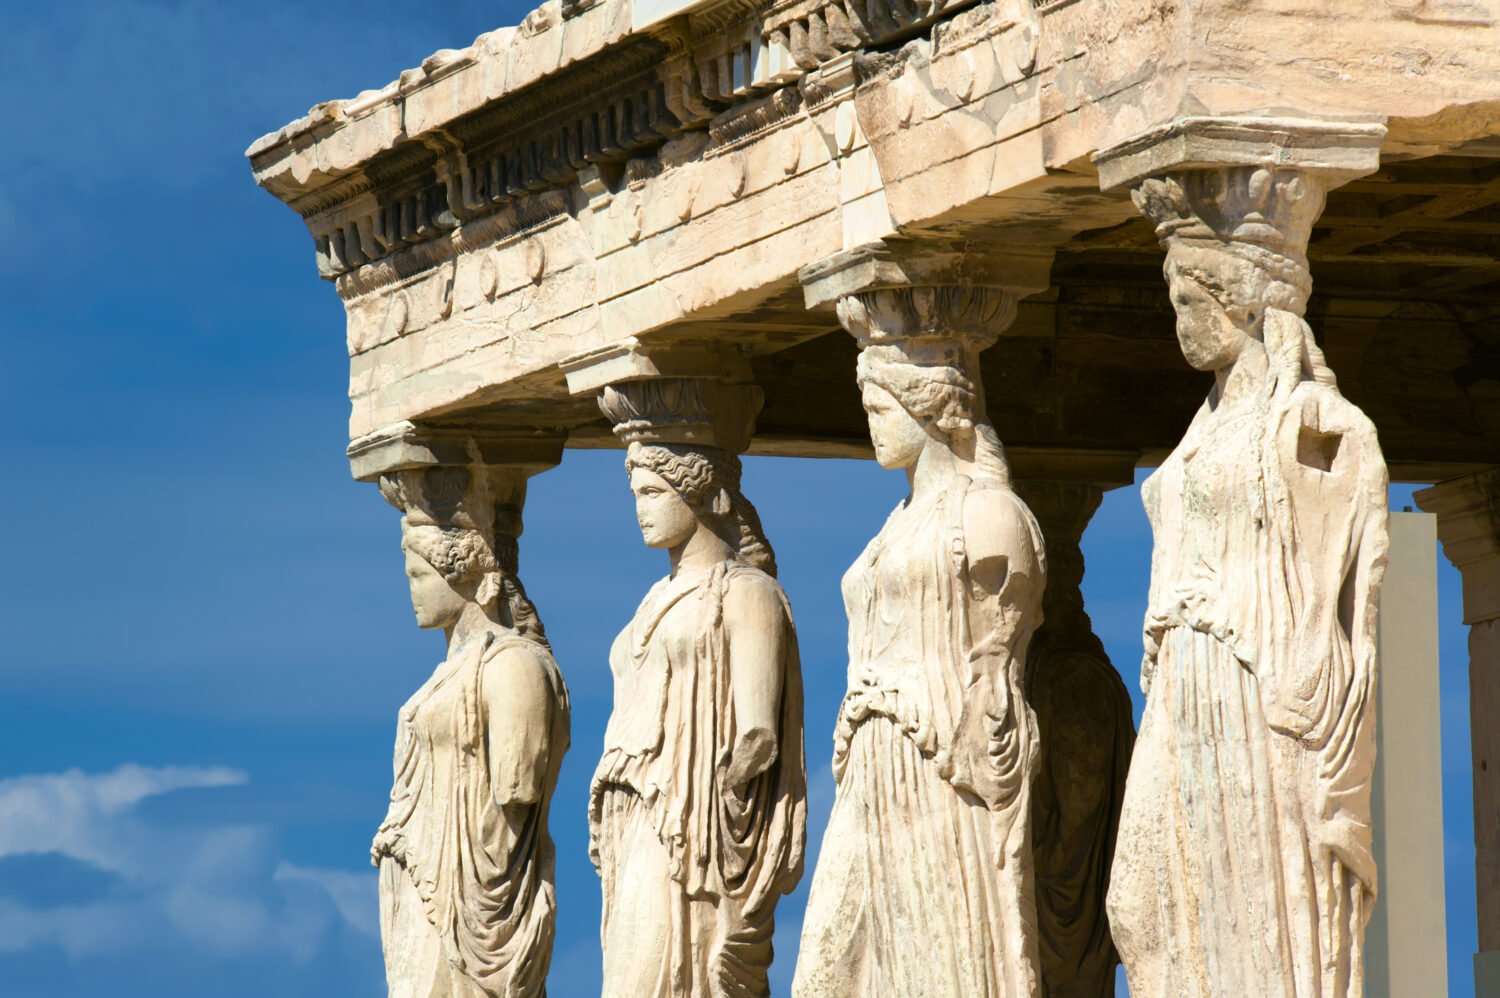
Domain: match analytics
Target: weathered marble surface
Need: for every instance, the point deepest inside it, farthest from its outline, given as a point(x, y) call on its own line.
point(1244, 862)
point(467, 901)
point(613, 172)
point(924, 883)
point(582, 177)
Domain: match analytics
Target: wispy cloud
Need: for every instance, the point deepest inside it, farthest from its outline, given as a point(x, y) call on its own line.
point(354, 894)
point(65, 812)
point(216, 889)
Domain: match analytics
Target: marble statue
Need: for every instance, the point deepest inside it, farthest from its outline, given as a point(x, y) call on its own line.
point(467, 902)
point(1084, 720)
point(1244, 862)
point(698, 808)
point(924, 883)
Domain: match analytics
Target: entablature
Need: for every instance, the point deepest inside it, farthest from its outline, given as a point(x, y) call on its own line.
point(664, 171)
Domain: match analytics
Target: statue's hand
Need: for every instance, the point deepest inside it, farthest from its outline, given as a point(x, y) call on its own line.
point(753, 753)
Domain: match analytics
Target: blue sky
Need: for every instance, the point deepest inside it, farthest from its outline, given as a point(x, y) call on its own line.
point(205, 631)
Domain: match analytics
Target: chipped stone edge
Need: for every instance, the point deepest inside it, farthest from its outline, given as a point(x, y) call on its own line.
point(1342, 150)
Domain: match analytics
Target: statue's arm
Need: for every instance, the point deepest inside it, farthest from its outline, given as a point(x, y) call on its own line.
point(755, 620)
point(1003, 560)
point(518, 718)
point(1006, 577)
point(1335, 484)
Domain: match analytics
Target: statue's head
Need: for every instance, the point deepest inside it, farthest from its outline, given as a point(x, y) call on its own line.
point(919, 369)
point(447, 568)
point(682, 437)
point(459, 535)
point(909, 402)
point(677, 488)
point(1235, 241)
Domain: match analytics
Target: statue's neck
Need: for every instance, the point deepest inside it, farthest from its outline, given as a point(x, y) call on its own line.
point(698, 553)
point(474, 619)
point(934, 469)
point(1241, 378)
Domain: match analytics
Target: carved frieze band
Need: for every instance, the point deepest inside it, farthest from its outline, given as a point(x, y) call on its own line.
point(598, 113)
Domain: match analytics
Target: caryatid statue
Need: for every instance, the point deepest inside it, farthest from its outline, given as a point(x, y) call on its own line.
point(1244, 862)
point(698, 809)
point(467, 903)
point(1084, 717)
point(924, 885)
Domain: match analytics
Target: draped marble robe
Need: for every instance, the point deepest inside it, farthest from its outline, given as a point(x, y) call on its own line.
point(467, 902)
point(924, 884)
point(692, 867)
point(1244, 861)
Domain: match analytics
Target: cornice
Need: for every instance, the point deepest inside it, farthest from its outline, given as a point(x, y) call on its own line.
point(474, 130)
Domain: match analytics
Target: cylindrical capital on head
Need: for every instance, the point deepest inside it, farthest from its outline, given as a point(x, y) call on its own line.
point(1261, 215)
point(485, 498)
point(703, 411)
point(1228, 191)
point(928, 321)
point(460, 477)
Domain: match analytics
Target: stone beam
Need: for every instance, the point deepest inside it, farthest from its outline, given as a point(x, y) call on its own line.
point(603, 171)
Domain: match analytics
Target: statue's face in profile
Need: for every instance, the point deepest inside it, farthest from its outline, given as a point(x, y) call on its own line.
point(1211, 333)
point(897, 435)
point(433, 600)
point(665, 517)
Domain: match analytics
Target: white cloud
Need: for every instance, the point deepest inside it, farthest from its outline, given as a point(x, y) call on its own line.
point(218, 888)
point(63, 812)
point(355, 894)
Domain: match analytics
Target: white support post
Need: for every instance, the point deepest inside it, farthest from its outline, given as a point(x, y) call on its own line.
point(1407, 942)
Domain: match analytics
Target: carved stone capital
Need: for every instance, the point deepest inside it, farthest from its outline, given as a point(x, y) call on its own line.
point(928, 319)
point(925, 302)
point(671, 393)
point(407, 445)
point(1236, 198)
point(707, 412)
point(1468, 524)
point(471, 478)
point(894, 264)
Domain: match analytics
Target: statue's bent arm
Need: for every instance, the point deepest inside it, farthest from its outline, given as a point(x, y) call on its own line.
point(518, 707)
point(756, 625)
point(1003, 560)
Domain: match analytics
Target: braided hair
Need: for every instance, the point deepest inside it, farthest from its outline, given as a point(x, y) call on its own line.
point(942, 395)
point(462, 556)
point(698, 474)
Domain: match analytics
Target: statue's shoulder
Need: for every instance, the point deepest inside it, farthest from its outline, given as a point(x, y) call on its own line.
point(1334, 434)
point(519, 675)
point(746, 583)
point(514, 650)
point(739, 573)
point(997, 522)
point(996, 498)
